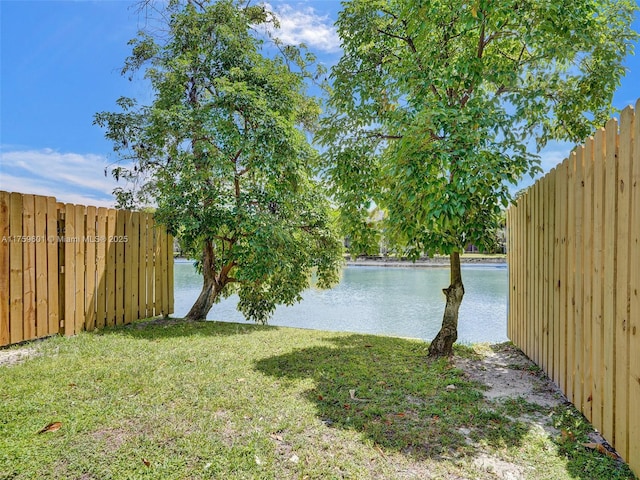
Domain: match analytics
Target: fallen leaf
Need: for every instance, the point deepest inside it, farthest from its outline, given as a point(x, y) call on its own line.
point(72, 385)
point(347, 406)
point(146, 462)
point(368, 346)
point(320, 397)
point(52, 427)
point(401, 414)
point(567, 435)
point(601, 449)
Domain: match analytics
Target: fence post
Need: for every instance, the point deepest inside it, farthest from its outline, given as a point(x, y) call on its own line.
point(4, 270)
point(61, 268)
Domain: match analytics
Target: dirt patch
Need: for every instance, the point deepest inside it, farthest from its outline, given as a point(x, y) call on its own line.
point(111, 439)
point(17, 355)
point(508, 373)
point(498, 468)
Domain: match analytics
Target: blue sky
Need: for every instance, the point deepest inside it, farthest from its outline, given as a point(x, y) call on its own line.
point(60, 64)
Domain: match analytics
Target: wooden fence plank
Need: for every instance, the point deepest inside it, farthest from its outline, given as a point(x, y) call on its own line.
point(70, 233)
point(531, 297)
point(128, 266)
point(623, 238)
point(536, 238)
point(578, 263)
point(522, 262)
point(41, 271)
point(90, 245)
point(517, 338)
point(170, 273)
point(78, 249)
point(540, 277)
point(164, 277)
point(509, 272)
point(529, 262)
point(62, 262)
point(634, 305)
point(101, 262)
point(142, 267)
point(5, 241)
point(110, 266)
point(561, 319)
point(587, 213)
point(149, 267)
point(28, 267)
point(157, 270)
point(551, 261)
point(53, 317)
point(525, 264)
point(544, 273)
point(555, 326)
point(514, 271)
point(597, 273)
point(568, 277)
point(609, 275)
point(119, 242)
point(134, 245)
point(16, 273)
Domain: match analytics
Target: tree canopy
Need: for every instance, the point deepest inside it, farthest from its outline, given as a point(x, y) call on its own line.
point(223, 153)
point(435, 105)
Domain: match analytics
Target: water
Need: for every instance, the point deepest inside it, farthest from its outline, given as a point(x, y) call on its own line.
point(405, 302)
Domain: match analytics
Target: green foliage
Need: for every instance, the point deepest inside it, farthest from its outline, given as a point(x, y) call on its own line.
point(434, 103)
point(222, 152)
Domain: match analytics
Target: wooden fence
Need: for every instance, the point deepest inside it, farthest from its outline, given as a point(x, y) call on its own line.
point(574, 280)
point(65, 267)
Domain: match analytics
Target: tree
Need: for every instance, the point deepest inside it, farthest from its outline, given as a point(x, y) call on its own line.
point(223, 153)
point(434, 103)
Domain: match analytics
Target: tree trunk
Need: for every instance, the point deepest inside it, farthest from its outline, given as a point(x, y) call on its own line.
point(442, 345)
point(210, 287)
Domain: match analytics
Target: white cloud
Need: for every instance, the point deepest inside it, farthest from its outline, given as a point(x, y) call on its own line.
point(554, 154)
point(70, 177)
point(304, 25)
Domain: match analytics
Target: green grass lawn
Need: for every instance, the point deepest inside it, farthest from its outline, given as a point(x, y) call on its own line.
point(171, 400)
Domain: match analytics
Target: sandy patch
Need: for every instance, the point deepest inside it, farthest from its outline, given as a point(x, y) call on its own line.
point(508, 373)
point(17, 355)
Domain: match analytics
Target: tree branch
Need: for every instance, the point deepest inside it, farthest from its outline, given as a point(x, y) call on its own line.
point(383, 136)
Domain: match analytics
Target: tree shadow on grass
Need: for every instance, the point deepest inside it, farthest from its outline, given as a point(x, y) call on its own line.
point(163, 328)
point(385, 388)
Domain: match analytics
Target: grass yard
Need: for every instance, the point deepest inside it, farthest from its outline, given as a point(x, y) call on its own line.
point(174, 400)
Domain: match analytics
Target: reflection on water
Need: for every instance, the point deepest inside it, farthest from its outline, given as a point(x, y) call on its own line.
point(404, 302)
